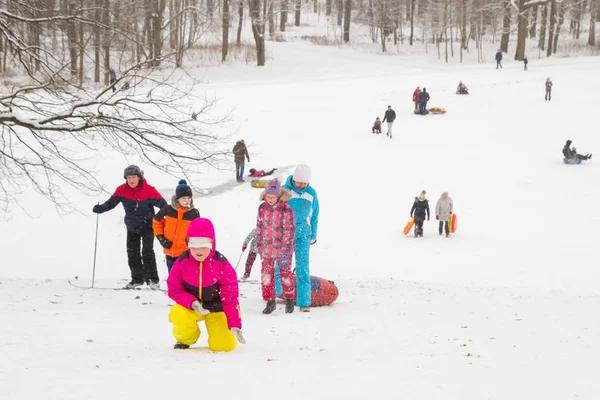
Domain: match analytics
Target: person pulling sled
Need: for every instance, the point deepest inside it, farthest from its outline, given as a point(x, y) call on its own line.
point(420, 210)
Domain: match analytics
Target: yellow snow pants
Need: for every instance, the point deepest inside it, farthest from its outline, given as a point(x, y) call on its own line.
point(186, 330)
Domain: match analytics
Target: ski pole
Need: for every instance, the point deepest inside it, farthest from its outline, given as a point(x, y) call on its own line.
point(238, 262)
point(95, 248)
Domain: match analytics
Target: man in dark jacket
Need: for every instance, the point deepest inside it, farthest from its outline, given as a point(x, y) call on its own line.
point(390, 116)
point(423, 99)
point(138, 199)
point(498, 59)
point(239, 152)
point(571, 154)
point(548, 89)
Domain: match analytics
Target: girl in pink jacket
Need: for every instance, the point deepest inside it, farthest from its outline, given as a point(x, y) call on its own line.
point(275, 232)
point(205, 288)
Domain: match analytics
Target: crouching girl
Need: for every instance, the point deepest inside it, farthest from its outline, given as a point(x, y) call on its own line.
point(205, 287)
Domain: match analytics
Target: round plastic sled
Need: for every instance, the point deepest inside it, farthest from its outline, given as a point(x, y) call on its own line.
point(257, 183)
point(323, 292)
point(457, 92)
point(571, 161)
point(437, 110)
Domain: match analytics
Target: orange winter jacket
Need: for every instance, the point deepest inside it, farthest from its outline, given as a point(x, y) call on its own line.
point(172, 222)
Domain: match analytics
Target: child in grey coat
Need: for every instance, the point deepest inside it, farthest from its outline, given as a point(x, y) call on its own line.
point(250, 240)
point(443, 210)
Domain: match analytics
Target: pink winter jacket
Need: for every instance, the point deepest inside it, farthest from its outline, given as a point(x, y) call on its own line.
point(275, 228)
point(214, 275)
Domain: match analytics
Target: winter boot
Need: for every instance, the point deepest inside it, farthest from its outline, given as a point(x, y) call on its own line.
point(133, 285)
point(181, 346)
point(289, 306)
point(270, 307)
point(154, 285)
point(304, 309)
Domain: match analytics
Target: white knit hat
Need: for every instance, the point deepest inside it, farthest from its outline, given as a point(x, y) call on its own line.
point(302, 173)
point(198, 242)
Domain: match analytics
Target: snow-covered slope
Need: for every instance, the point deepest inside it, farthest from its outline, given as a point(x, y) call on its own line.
point(506, 308)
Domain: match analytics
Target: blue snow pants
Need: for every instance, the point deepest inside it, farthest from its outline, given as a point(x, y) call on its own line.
point(301, 255)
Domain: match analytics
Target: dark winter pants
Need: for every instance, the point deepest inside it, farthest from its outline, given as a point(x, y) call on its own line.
point(548, 94)
point(442, 225)
point(112, 82)
point(170, 262)
point(416, 105)
point(239, 172)
point(270, 172)
point(419, 227)
point(423, 108)
point(376, 129)
point(249, 262)
point(498, 64)
point(142, 266)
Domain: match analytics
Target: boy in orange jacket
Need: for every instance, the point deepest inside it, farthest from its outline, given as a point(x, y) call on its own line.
point(172, 221)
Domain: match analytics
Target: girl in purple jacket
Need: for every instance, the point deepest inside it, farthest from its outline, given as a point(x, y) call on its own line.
point(205, 288)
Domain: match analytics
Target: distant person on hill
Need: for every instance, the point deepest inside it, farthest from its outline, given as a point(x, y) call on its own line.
point(571, 154)
point(548, 90)
point(112, 78)
point(420, 210)
point(390, 116)
point(415, 97)
point(443, 210)
point(239, 153)
point(525, 62)
point(462, 89)
point(377, 126)
point(423, 99)
point(498, 59)
point(257, 173)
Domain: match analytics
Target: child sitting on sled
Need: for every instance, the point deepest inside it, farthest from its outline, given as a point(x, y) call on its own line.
point(571, 154)
point(462, 89)
point(377, 125)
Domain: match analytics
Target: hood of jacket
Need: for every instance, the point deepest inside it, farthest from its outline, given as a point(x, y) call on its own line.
point(202, 227)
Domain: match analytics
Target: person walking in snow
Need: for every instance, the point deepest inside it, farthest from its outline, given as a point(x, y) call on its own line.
point(205, 287)
point(257, 173)
point(112, 78)
point(376, 126)
point(240, 152)
point(390, 116)
point(250, 240)
point(275, 234)
point(571, 154)
point(548, 90)
point(525, 62)
point(420, 210)
point(498, 59)
point(423, 99)
point(138, 199)
point(443, 210)
point(415, 97)
point(171, 223)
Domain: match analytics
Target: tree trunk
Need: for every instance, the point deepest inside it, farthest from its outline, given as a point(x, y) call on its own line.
point(412, 20)
point(340, 12)
point(283, 19)
point(593, 15)
point(505, 27)
point(225, 31)
point(543, 24)
point(521, 31)
point(258, 31)
point(552, 23)
point(328, 8)
point(238, 38)
point(96, 33)
point(347, 14)
point(297, 7)
point(463, 25)
point(210, 8)
point(561, 20)
point(533, 27)
point(106, 38)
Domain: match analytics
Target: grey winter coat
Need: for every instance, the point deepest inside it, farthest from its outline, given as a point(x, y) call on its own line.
point(444, 207)
point(251, 238)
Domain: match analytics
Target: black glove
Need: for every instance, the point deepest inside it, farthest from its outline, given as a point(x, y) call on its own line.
point(167, 244)
point(97, 209)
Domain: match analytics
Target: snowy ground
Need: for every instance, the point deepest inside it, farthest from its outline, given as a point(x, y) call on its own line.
point(506, 308)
